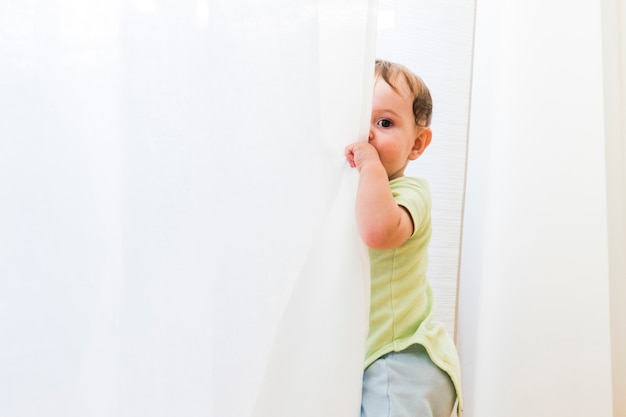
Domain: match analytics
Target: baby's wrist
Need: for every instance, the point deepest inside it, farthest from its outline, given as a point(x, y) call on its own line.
point(371, 165)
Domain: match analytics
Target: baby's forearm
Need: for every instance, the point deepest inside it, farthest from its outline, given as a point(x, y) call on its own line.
point(381, 222)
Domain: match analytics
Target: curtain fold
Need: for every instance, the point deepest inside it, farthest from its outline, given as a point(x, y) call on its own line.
point(298, 325)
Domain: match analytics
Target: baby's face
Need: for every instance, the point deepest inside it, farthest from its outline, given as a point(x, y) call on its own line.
point(393, 131)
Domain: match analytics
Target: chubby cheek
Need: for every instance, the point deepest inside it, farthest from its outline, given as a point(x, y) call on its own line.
point(388, 149)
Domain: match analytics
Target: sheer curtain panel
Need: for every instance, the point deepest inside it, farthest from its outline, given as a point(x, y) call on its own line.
point(176, 214)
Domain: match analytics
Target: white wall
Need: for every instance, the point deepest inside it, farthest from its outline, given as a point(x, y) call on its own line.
point(534, 327)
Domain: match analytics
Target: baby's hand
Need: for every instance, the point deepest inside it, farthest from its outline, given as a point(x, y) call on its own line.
point(360, 153)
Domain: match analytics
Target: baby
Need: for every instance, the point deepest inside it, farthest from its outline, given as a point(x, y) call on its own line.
point(411, 364)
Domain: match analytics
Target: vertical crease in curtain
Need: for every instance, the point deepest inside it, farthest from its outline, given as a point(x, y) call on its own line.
point(314, 361)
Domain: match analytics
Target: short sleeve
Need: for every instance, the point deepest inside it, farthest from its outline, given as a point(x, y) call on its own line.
point(414, 195)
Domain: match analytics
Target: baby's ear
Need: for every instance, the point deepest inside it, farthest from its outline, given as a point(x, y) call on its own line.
point(424, 136)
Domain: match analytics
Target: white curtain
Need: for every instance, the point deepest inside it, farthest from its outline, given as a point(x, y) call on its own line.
point(291, 301)
point(176, 217)
point(544, 212)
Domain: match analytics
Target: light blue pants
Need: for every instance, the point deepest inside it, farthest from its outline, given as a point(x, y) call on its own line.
point(406, 384)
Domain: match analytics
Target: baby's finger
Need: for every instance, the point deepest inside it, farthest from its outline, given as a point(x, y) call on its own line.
point(349, 156)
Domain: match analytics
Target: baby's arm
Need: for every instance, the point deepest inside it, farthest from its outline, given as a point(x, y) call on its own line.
point(381, 222)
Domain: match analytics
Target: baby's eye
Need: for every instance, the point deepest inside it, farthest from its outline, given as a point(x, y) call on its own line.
point(385, 123)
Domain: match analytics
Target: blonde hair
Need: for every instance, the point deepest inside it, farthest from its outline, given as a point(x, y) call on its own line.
point(422, 100)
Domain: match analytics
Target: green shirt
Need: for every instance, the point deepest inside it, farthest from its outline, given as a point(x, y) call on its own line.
point(401, 297)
